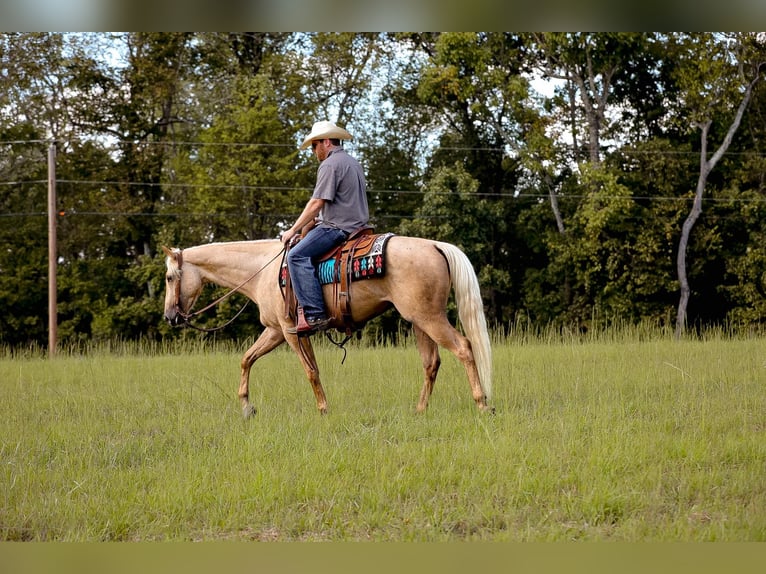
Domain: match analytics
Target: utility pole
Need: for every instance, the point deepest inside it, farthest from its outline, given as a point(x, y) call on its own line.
point(52, 253)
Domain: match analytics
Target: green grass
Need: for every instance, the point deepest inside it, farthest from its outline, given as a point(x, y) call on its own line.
point(617, 438)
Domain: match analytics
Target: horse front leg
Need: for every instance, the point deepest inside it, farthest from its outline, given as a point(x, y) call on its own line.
point(269, 340)
point(305, 352)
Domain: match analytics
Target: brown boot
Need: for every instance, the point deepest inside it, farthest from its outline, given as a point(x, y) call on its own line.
point(308, 327)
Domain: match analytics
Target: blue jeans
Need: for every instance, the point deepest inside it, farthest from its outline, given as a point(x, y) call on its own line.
point(300, 262)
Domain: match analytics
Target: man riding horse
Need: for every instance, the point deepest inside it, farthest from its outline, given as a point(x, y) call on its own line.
point(338, 207)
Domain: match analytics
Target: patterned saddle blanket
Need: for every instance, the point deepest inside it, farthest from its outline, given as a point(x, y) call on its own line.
point(365, 259)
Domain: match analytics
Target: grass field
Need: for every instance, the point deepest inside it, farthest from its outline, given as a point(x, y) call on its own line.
point(612, 439)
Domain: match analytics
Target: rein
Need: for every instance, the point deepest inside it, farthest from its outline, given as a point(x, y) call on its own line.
point(188, 316)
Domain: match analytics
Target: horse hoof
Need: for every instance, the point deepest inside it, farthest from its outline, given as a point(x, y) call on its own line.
point(248, 411)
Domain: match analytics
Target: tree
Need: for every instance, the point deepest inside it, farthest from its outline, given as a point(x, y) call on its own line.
point(33, 113)
point(471, 89)
point(452, 190)
point(23, 235)
point(713, 75)
point(745, 260)
point(570, 205)
point(242, 174)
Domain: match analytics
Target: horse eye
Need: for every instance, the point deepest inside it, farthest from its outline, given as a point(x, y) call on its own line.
point(169, 278)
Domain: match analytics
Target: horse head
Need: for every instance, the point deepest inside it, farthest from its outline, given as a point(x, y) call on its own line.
point(183, 286)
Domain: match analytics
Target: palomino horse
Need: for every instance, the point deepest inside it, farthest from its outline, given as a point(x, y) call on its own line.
point(417, 283)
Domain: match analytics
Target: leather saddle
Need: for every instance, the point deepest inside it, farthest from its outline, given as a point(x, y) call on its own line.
point(361, 256)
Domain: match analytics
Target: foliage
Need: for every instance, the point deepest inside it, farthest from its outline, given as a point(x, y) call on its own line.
point(251, 180)
point(24, 256)
point(570, 201)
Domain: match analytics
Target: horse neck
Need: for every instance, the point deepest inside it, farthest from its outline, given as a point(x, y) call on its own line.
point(229, 264)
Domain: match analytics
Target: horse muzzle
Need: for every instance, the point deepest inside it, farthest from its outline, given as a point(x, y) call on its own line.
point(175, 317)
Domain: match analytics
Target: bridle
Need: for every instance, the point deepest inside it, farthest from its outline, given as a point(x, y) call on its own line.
point(186, 317)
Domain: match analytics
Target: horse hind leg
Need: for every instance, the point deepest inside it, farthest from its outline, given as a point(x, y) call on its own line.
point(268, 341)
point(444, 334)
point(429, 354)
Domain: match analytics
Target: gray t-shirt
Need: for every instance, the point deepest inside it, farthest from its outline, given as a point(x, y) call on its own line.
point(340, 181)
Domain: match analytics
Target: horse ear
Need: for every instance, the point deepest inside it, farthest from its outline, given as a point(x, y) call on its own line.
point(167, 251)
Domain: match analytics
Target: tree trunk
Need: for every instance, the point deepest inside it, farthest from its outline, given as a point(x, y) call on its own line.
point(686, 230)
point(706, 166)
point(554, 203)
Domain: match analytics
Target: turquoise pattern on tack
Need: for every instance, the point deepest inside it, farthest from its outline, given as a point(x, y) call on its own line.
point(326, 272)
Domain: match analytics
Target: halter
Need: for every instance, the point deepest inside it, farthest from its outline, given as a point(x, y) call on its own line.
point(188, 316)
point(177, 306)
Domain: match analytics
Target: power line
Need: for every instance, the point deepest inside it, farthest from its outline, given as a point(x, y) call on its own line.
point(373, 191)
point(171, 143)
point(502, 195)
point(238, 215)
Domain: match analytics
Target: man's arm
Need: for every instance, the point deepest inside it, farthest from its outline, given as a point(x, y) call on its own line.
point(310, 212)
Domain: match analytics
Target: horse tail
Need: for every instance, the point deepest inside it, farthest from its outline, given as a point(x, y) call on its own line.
point(470, 311)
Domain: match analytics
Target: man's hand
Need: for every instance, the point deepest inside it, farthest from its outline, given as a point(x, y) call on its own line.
point(288, 237)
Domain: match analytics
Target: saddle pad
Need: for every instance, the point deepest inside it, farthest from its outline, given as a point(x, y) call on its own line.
point(368, 266)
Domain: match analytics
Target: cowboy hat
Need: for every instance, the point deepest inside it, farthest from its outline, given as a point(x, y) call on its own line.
point(325, 130)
